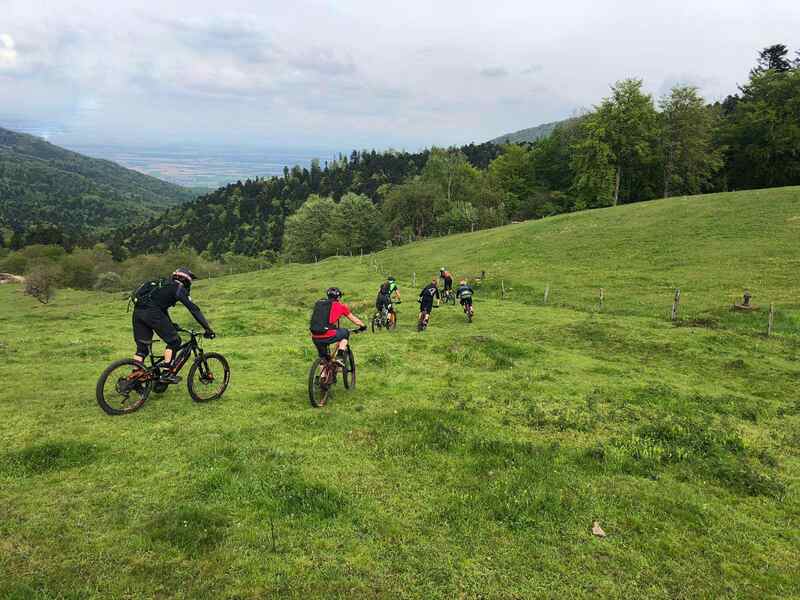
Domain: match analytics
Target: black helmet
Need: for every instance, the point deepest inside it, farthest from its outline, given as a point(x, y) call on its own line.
point(391, 278)
point(184, 275)
point(333, 293)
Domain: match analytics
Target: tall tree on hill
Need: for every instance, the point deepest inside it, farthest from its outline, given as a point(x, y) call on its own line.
point(762, 134)
point(408, 209)
point(514, 173)
point(689, 157)
point(593, 165)
point(552, 155)
point(304, 239)
point(623, 132)
point(356, 225)
point(451, 172)
point(773, 58)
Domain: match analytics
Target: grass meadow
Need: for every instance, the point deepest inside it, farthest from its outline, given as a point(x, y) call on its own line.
point(471, 459)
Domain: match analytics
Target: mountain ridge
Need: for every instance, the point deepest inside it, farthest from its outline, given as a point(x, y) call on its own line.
point(42, 183)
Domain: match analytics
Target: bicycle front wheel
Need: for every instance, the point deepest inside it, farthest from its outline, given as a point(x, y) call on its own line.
point(318, 389)
point(349, 371)
point(123, 387)
point(209, 377)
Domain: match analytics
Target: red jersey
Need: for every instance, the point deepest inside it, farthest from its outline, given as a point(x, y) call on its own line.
point(338, 310)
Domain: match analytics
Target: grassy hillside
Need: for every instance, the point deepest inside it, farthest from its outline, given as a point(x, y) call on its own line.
point(40, 182)
point(472, 459)
point(531, 134)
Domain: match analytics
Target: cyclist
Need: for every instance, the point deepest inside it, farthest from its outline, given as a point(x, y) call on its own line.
point(384, 299)
point(324, 322)
point(464, 295)
point(151, 314)
point(426, 296)
point(447, 278)
point(393, 289)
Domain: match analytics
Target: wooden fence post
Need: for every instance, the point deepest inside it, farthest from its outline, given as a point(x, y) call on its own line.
point(675, 304)
point(602, 297)
point(414, 279)
point(502, 289)
point(771, 318)
point(546, 293)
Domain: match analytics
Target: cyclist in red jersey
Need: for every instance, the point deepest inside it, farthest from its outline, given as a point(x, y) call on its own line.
point(324, 328)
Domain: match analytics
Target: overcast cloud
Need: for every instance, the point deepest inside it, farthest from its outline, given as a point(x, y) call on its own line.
point(357, 73)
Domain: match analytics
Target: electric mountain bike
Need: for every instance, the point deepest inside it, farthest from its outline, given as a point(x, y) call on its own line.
point(384, 318)
point(424, 317)
point(125, 385)
point(449, 296)
point(469, 311)
point(324, 373)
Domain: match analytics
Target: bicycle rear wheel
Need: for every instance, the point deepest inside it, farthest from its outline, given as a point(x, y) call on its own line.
point(318, 390)
point(123, 387)
point(208, 379)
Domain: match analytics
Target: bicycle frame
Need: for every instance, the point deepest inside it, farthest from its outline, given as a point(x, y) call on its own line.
point(190, 348)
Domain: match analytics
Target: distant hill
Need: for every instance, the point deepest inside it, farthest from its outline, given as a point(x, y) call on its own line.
point(43, 183)
point(531, 134)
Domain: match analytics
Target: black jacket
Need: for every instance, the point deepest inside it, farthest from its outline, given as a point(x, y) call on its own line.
point(169, 295)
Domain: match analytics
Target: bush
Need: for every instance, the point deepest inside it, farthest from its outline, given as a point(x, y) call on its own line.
point(41, 283)
point(108, 282)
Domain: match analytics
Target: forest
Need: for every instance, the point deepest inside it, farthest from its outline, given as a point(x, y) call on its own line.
point(631, 147)
point(43, 186)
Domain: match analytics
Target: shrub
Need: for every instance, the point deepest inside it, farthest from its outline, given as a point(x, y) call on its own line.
point(108, 282)
point(41, 283)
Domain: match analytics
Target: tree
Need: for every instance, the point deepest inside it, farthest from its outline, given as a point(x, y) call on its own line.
point(304, 238)
point(773, 58)
point(408, 209)
point(762, 134)
point(689, 157)
point(514, 174)
point(552, 155)
point(41, 283)
point(624, 131)
point(593, 165)
point(451, 172)
point(357, 225)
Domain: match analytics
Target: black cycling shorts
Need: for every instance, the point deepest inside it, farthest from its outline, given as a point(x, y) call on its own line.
point(466, 300)
point(448, 284)
point(322, 344)
point(145, 322)
point(426, 306)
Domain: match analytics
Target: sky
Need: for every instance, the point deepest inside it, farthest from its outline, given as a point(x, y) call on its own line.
point(356, 73)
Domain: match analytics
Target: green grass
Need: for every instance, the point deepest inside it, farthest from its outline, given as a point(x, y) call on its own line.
point(471, 460)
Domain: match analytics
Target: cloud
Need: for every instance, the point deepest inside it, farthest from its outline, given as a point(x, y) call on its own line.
point(494, 72)
point(357, 73)
point(8, 52)
point(533, 69)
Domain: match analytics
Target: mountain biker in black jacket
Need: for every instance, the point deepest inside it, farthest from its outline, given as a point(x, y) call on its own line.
point(426, 296)
point(151, 314)
point(464, 295)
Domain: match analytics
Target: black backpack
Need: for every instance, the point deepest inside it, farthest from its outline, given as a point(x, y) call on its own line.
point(320, 317)
point(385, 287)
point(144, 292)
